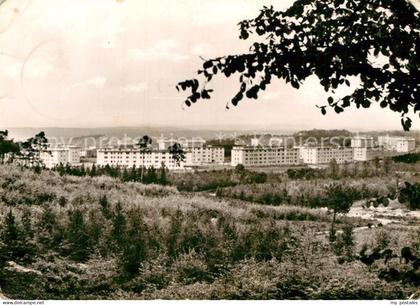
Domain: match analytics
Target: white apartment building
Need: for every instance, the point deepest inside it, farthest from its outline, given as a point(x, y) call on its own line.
point(197, 153)
point(399, 144)
point(364, 148)
point(129, 157)
point(205, 155)
point(256, 156)
point(323, 155)
point(54, 156)
point(360, 142)
point(367, 153)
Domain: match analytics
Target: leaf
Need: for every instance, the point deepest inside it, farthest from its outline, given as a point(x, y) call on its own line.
point(383, 104)
point(207, 64)
point(244, 35)
point(205, 94)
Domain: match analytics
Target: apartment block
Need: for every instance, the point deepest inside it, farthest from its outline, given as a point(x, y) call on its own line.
point(323, 155)
point(55, 156)
point(367, 153)
point(205, 155)
point(398, 144)
point(258, 156)
point(129, 157)
point(362, 142)
point(132, 156)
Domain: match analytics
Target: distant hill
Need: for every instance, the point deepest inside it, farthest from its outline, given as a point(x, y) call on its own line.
point(79, 135)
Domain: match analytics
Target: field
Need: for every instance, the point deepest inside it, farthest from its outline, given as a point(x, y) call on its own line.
point(67, 237)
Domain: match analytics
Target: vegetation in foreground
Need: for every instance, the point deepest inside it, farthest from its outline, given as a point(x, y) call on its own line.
point(65, 237)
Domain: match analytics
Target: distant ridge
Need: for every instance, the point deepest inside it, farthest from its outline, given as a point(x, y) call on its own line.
point(22, 133)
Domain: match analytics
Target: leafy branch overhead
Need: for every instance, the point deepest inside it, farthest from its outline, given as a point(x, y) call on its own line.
point(334, 40)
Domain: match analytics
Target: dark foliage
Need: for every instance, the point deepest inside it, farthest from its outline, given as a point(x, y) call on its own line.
point(333, 40)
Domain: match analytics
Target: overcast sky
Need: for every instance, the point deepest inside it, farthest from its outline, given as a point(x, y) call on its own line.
point(91, 63)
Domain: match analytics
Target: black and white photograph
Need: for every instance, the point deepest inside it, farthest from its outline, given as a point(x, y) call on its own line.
point(175, 150)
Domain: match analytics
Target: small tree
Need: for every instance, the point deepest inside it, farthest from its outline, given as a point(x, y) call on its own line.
point(15, 244)
point(7, 147)
point(32, 148)
point(333, 169)
point(10, 231)
point(177, 153)
point(135, 248)
point(118, 227)
point(145, 146)
point(376, 163)
point(410, 193)
point(95, 227)
point(125, 175)
point(355, 169)
point(339, 200)
point(365, 169)
point(387, 164)
point(93, 171)
point(78, 237)
point(103, 202)
point(151, 175)
point(133, 174)
point(163, 180)
point(27, 224)
point(345, 169)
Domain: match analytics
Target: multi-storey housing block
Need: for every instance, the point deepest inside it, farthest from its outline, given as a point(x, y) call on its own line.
point(133, 156)
point(365, 149)
point(264, 156)
point(205, 155)
point(67, 155)
point(399, 144)
point(130, 157)
point(323, 155)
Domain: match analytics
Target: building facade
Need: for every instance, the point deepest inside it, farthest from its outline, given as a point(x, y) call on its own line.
point(367, 153)
point(205, 155)
point(398, 144)
point(324, 155)
point(130, 157)
point(55, 156)
point(256, 156)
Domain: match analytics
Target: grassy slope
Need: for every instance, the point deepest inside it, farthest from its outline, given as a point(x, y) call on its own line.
point(308, 268)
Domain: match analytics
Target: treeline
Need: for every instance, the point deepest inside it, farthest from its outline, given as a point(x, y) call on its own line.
point(407, 158)
point(185, 181)
point(324, 137)
point(145, 175)
point(308, 194)
point(212, 180)
point(374, 168)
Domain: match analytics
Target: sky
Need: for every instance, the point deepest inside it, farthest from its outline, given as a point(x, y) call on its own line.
point(97, 63)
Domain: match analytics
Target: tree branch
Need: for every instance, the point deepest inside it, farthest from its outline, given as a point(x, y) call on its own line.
point(415, 3)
